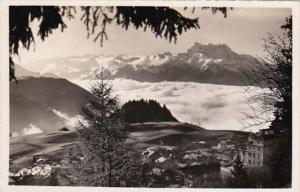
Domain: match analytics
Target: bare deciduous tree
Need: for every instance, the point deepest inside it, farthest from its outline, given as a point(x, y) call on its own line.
point(274, 76)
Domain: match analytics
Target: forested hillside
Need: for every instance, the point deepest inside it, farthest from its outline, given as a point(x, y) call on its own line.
point(138, 111)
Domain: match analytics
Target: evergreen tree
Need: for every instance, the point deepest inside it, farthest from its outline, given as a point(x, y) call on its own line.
point(240, 174)
point(239, 169)
point(102, 135)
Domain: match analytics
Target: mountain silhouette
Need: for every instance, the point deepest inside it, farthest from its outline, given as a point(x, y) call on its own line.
point(211, 63)
point(34, 101)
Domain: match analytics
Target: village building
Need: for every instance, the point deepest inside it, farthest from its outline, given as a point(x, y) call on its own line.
point(223, 145)
point(257, 151)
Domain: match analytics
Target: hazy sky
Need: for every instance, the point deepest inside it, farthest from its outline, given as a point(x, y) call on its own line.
point(242, 30)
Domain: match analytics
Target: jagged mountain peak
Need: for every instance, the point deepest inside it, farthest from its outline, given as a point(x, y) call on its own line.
point(208, 63)
point(212, 50)
point(200, 46)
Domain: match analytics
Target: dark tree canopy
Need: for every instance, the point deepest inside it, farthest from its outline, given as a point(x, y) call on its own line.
point(146, 111)
point(163, 22)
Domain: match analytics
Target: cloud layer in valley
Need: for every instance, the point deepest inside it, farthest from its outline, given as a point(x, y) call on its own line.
point(214, 107)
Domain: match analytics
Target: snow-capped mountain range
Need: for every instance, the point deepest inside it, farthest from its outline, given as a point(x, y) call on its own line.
point(209, 63)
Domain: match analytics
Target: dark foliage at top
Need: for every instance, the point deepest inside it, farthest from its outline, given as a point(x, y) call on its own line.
point(146, 111)
point(162, 21)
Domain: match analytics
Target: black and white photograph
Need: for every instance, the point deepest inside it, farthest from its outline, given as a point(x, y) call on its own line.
point(150, 96)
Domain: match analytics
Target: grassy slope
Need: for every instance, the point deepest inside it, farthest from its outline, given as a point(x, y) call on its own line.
point(22, 149)
point(176, 134)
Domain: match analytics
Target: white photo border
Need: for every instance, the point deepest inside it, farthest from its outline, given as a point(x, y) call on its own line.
point(4, 86)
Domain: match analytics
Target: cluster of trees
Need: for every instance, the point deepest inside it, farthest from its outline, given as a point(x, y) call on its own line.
point(137, 111)
point(281, 79)
point(275, 71)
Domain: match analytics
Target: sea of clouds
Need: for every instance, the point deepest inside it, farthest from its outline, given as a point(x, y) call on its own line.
point(217, 107)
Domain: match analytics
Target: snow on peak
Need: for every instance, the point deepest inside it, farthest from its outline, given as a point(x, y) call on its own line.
point(205, 64)
point(200, 57)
